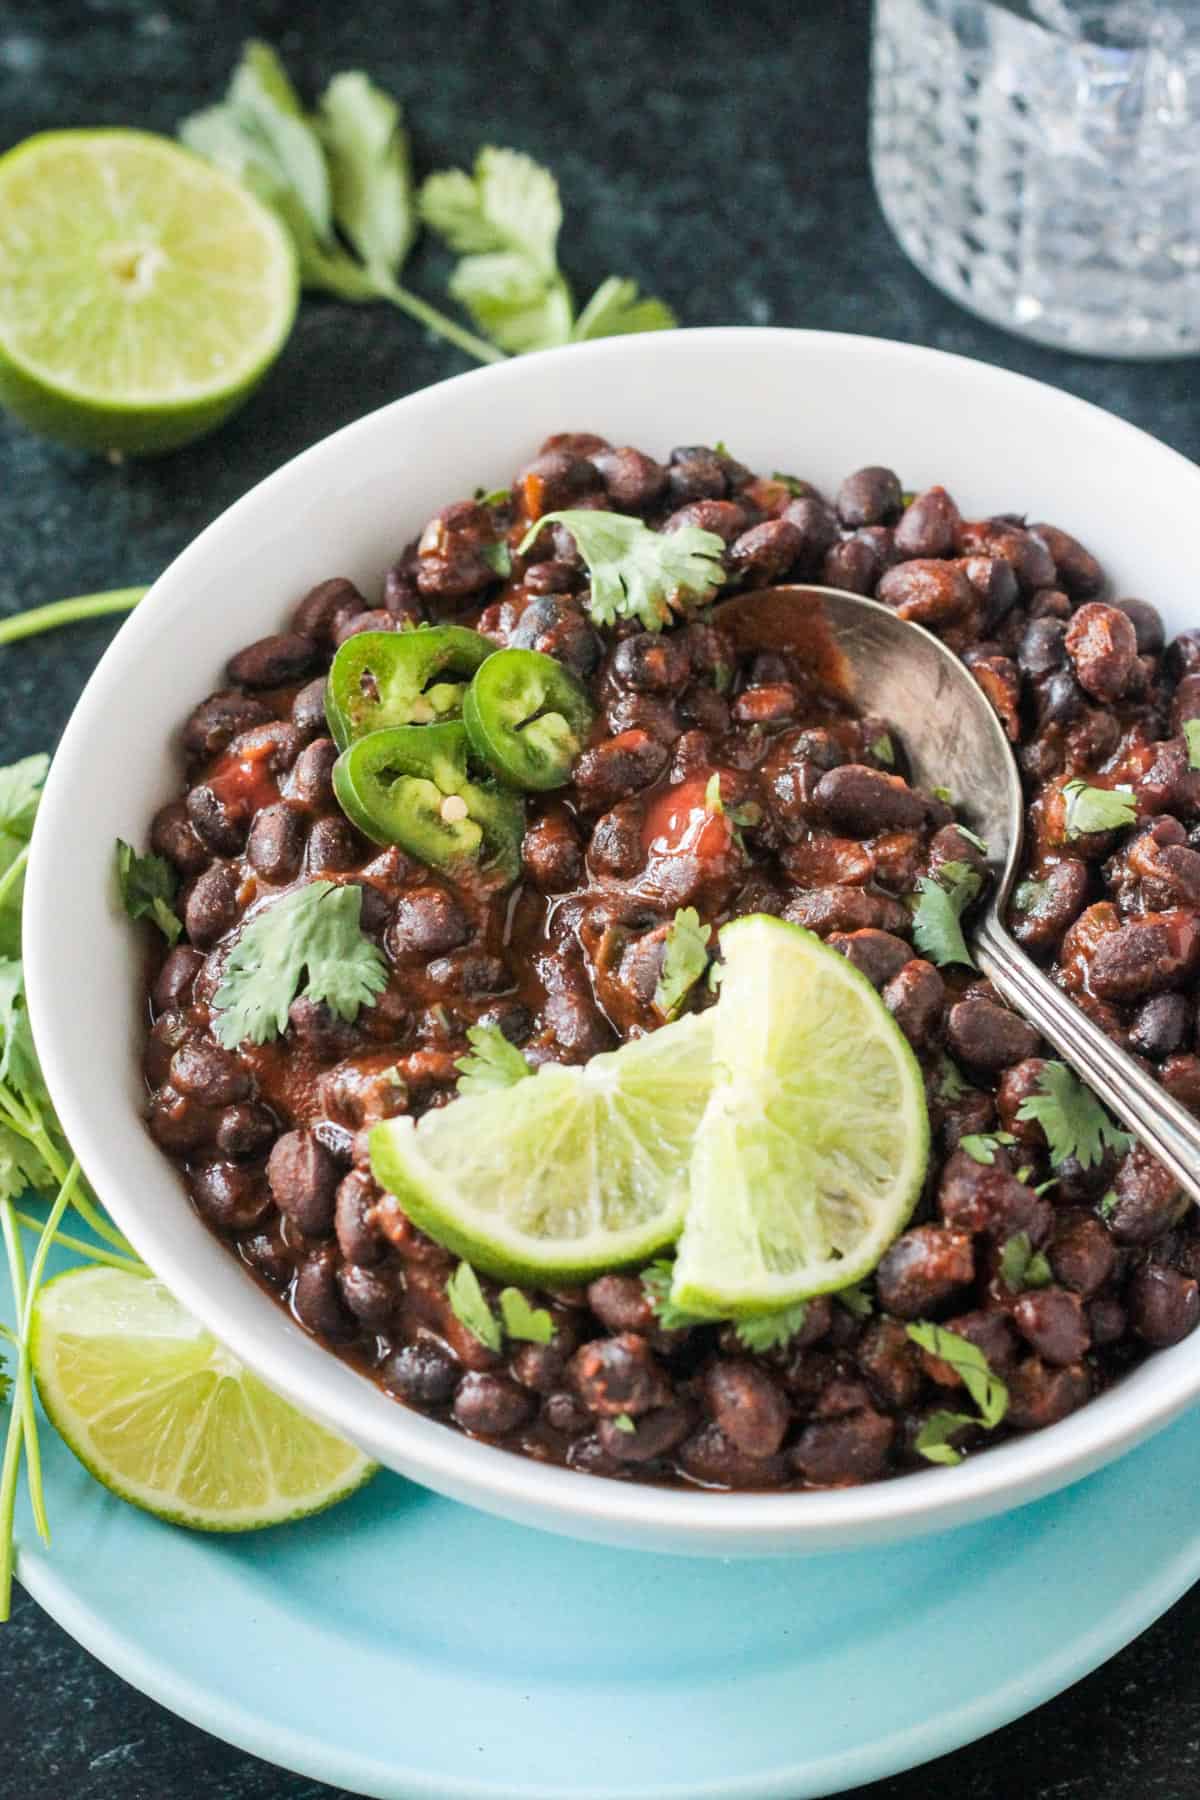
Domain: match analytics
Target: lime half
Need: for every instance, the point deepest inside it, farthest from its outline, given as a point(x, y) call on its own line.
point(563, 1175)
point(160, 1413)
point(143, 293)
point(812, 1151)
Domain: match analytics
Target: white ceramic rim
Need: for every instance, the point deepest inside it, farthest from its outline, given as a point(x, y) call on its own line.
point(1012, 1474)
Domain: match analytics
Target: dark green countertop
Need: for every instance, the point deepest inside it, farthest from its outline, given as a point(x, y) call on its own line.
point(719, 156)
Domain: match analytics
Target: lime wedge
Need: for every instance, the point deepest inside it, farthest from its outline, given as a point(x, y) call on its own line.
point(812, 1151)
point(143, 293)
point(162, 1415)
point(564, 1175)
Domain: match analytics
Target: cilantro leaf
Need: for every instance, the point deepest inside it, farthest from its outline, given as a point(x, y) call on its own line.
point(637, 573)
point(1030, 895)
point(796, 488)
point(533, 1324)
point(952, 1084)
point(309, 941)
point(856, 1300)
point(657, 1281)
point(624, 1423)
point(1107, 1205)
point(981, 1146)
point(684, 963)
point(1072, 1118)
point(942, 794)
point(492, 1063)
point(470, 1308)
point(370, 176)
point(20, 795)
point(968, 1361)
point(147, 887)
point(937, 918)
point(616, 310)
point(512, 302)
point(883, 749)
point(933, 1439)
point(1097, 809)
point(771, 1330)
point(1191, 732)
point(499, 556)
point(510, 204)
point(1021, 1266)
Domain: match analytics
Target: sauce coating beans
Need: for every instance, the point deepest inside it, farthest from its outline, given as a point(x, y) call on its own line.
point(818, 823)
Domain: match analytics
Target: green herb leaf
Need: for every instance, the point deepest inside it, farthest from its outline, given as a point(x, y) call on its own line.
point(510, 204)
point(499, 557)
point(1191, 732)
point(20, 795)
point(470, 1308)
point(531, 1323)
point(856, 1300)
point(970, 1364)
point(1072, 1118)
point(684, 963)
point(951, 1082)
point(1030, 895)
point(637, 573)
point(147, 887)
point(933, 1439)
point(370, 175)
point(1097, 809)
point(972, 837)
point(496, 497)
point(1021, 1266)
point(265, 102)
point(771, 1330)
point(616, 310)
point(942, 794)
point(981, 1146)
point(657, 1281)
point(512, 302)
point(796, 488)
point(493, 1062)
point(1108, 1205)
point(884, 750)
point(624, 1423)
point(309, 941)
point(713, 802)
point(937, 919)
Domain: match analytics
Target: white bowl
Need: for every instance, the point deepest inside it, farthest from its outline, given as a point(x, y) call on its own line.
point(815, 403)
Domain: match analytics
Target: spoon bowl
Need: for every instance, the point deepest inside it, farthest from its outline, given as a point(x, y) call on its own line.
point(889, 667)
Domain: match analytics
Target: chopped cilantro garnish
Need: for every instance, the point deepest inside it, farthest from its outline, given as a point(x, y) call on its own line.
point(498, 556)
point(981, 1146)
point(684, 963)
point(1072, 1118)
point(533, 1324)
point(933, 1439)
point(1191, 732)
point(147, 887)
point(883, 749)
point(492, 1063)
point(1021, 1266)
point(937, 918)
point(856, 1301)
point(1097, 809)
point(637, 573)
point(951, 1082)
point(624, 1423)
point(1108, 1205)
point(987, 1390)
point(1030, 895)
point(772, 1329)
point(470, 1308)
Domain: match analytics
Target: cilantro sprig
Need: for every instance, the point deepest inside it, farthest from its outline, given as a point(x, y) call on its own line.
point(981, 1146)
point(1072, 1118)
point(684, 963)
point(937, 915)
point(340, 179)
point(1021, 1266)
point(309, 941)
point(934, 1440)
point(147, 886)
point(518, 1319)
point(491, 1063)
point(765, 1331)
point(1191, 733)
point(636, 573)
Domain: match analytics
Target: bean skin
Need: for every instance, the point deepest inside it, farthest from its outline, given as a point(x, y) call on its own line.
point(275, 846)
point(1040, 1394)
point(212, 905)
point(490, 1405)
point(1075, 568)
point(303, 1178)
point(863, 801)
point(876, 954)
point(930, 593)
point(1149, 1200)
point(844, 1452)
point(870, 496)
point(924, 1267)
point(987, 1036)
point(271, 661)
point(618, 1375)
point(929, 526)
point(1053, 1323)
point(1164, 1306)
point(1102, 644)
point(747, 1405)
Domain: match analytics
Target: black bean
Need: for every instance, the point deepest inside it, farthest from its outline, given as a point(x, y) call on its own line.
point(275, 846)
point(923, 1268)
point(1147, 623)
point(177, 1123)
point(818, 528)
point(359, 1238)
point(696, 473)
point(557, 626)
point(218, 822)
point(865, 801)
point(613, 770)
point(1040, 1394)
point(1043, 648)
point(930, 592)
point(633, 481)
point(653, 1434)
point(888, 1358)
point(320, 1031)
point(551, 854)
point(490, 1405)
point(1160, 1026)
point(308, 709)
point(709, 1458)
point(423, 1373)
point(1102, 644)
point(916, 999)
point(312, 775)
point(324, 608)
point(621, 1303)
point(988, 1036)
point(368, 1294)
point(1075, 568)
point(843, 1452)
point(244, 1129)
point(1149, 1199)
point(228, 1196)
point(876, 954)
point(766, 552)
point(169, 1031)
point(317, 1302)
point(1081, 1253)
point(1164, 1306)
point(871, 496)
point(212, 905)
point(747, 1405)
point(653, 662)
point(427, 922)
point(303, 1177)
point(212, 726)
point(539, 1367)
point(271, 661)
point(333, 844)
point(618, 1375)
point(209, 1073)
point(1052, 1322)
point(929, 526)
point(173, 983)
point(172, 835)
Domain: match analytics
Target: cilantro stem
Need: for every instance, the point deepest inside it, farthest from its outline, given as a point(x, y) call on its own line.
point(9, 879)
point(81, 1247)
point(67, 612)
point(37, 1268)
point(28, 1122)
point(435, 321)
point(16, 1416)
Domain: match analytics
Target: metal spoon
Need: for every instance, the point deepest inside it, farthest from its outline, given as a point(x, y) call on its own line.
point(899, 671)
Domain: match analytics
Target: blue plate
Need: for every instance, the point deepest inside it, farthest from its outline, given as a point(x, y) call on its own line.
point(404, 1646)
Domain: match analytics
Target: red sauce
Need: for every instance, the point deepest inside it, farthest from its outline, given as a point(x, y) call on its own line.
point(245, 780)
point(679, 822)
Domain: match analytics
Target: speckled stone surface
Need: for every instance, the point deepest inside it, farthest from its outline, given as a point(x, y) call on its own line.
point(719, 155)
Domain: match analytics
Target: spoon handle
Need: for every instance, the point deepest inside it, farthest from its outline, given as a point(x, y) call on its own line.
point(1162, 1124)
